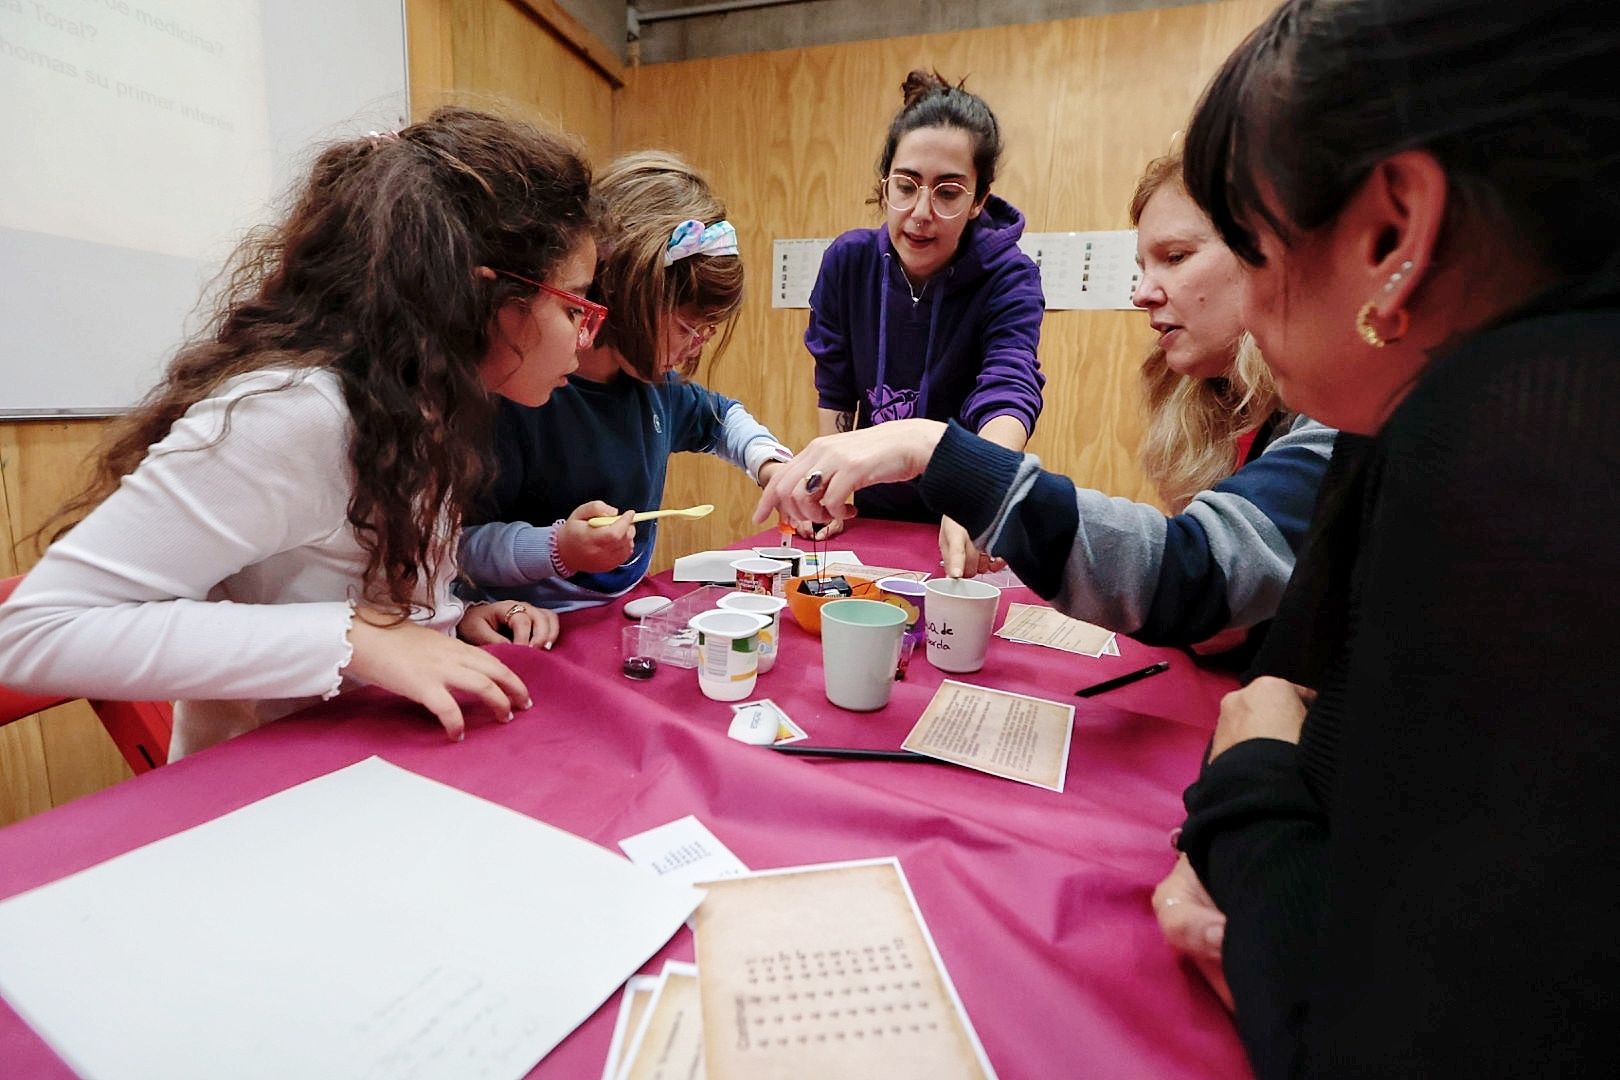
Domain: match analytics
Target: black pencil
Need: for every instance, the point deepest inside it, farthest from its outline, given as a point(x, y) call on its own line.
point(1122, 680)
point(854, 752)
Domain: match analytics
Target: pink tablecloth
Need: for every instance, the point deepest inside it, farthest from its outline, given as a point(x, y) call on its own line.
point(1038, 901)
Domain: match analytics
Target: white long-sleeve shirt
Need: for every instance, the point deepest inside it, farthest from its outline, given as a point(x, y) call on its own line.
point(220, 573)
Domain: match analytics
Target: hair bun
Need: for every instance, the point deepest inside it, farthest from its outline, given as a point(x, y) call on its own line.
point(919, 84)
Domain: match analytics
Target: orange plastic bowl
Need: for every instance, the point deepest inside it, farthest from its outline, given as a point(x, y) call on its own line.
point(807, 609)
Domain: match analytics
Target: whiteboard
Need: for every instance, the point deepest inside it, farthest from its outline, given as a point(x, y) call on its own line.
point(140, 139)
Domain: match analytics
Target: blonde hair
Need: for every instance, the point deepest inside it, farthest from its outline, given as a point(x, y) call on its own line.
point(646, 195)
point(1193, 425)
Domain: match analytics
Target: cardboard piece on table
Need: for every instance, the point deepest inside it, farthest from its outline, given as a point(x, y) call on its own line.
point(793, 986)
point(632, 1007)
point(1036, 624)
point(668, 1043)
point(1013, 736)
point(876, 573)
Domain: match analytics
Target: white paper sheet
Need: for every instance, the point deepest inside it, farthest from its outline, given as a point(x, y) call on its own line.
point(684, 851)
point(795, 265)
point(368, 923)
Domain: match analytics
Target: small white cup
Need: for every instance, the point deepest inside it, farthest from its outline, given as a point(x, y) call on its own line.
point(757, 575)
point(960, 612)
point(860, 648)
point(727, 652)
point(791, 555)
point(769, 607)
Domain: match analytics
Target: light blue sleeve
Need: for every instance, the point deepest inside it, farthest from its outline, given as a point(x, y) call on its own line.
point(506, 553)
point(747, 443)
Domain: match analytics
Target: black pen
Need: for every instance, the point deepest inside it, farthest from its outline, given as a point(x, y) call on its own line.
point(854, 752)
point(1122, 680)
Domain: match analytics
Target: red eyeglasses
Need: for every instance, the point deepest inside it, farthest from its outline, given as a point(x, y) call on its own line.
point(590, 316)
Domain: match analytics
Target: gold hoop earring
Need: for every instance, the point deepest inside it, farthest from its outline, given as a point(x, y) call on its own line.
point(1369, 333)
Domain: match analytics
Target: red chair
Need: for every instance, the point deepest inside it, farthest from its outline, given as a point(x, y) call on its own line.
point(140, 729)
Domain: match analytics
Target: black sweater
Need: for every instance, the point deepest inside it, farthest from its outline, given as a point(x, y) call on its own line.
point(1419, 888)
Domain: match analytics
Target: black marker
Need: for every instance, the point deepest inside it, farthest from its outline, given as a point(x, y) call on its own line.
point(853, 752)
point(1122, 680)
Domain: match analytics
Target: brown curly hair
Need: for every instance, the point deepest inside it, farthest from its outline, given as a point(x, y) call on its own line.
point(372, 276)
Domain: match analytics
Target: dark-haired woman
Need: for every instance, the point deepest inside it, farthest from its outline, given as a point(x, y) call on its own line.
point(1409, 821)
point(937, 313)
point(276, 522)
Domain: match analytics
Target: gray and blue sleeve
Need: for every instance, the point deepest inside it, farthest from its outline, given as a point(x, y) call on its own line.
point(1221, 563)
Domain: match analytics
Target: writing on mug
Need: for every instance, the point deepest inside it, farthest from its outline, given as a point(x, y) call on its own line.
point(939, 631)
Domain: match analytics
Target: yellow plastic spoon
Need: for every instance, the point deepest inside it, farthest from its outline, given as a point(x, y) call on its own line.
point(647, 515)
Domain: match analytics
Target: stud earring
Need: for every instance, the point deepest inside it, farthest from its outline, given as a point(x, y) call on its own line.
point(1398, 276)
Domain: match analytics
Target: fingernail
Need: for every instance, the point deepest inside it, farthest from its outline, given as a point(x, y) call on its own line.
point(528, 703)
point(461, 736)
point(507, 719)
point(547, 646)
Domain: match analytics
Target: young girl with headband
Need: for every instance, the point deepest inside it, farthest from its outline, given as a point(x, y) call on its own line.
point(276, 522)
point(937, 313)
point(671, 275)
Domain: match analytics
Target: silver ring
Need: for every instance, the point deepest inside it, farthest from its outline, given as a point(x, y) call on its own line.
point(812, 482)
point(513, 610)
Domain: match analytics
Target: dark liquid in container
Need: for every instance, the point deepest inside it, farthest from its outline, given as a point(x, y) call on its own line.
point(639, 667)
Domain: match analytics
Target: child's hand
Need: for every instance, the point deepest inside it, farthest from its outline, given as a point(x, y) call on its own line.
point(596, 550)
point(529, 625)
point(427, 666)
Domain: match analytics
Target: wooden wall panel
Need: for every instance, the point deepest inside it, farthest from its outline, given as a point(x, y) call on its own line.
point(498, 53)
point(62, 753)
point(790, 139)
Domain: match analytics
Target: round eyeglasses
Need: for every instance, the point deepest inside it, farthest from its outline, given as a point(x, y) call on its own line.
point(587, 315)
point(948, 199)
point(697, 335)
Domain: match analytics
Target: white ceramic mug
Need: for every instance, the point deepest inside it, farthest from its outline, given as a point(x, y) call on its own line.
point(727, 652)
point(959, 614)
point(860, 648)
point(769, 607)
point(758, 575)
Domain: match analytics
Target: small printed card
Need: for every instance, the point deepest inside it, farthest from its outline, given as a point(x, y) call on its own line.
point(1034, 624)
point(827, 971)
point(762, 723)
point(1013, 736)
point(684, 850)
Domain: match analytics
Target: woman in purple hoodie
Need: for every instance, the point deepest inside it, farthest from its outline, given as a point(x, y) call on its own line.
point(937, 313)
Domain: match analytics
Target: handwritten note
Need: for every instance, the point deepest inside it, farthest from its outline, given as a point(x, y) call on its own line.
point(1034, 624)
point(793, 986)
point(1012, 736)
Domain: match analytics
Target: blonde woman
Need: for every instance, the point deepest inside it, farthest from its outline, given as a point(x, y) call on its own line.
point(1240, 476)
